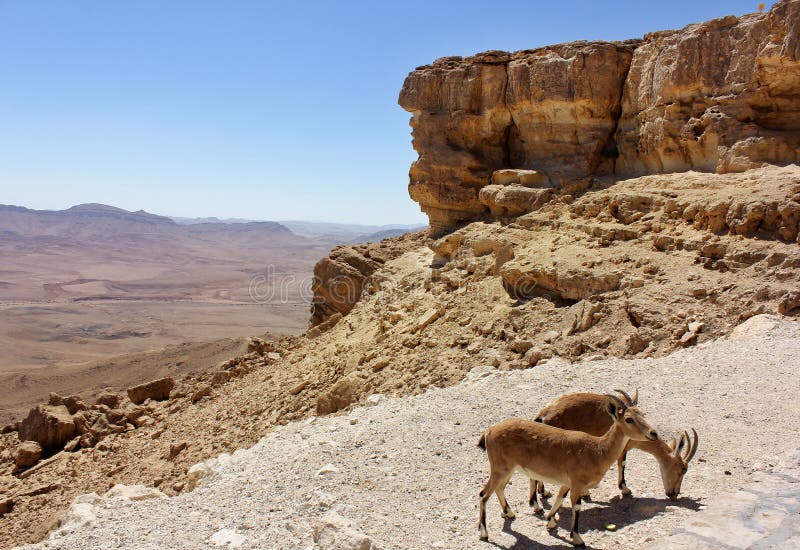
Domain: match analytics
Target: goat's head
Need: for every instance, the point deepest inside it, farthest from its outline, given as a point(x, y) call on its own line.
point(674, 468)
point(630, 419)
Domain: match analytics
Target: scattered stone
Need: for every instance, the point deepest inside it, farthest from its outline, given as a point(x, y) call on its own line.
point(334, 532)
point(299, 387)
point(6, 506)
point(109, 399)
point(132, 492)
point(328, 469)
point(520, 346)
point(28, 454)
point(227, 538)
point(220, 377)
point(51, 426)
point(694, 328)
point(157, 390)
point(175, 449)
point(341, 395)
point(202, 392)
point(429, 317)
point(375, 399)
point(260, 346)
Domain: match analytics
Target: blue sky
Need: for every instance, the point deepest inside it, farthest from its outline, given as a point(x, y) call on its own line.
point(252, 109)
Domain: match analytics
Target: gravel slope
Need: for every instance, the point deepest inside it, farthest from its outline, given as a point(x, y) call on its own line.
point(406, 473)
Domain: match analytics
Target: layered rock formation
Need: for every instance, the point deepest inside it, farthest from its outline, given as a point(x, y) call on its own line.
point(717, 96)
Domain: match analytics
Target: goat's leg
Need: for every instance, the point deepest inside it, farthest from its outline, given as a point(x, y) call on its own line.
point(575, 499)
point(534, 498)
point(486, 492)
point(562, 491)
point(500, 491)
point(621, 473)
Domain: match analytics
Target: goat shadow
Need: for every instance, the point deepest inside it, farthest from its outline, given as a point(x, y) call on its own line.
point(621, 511)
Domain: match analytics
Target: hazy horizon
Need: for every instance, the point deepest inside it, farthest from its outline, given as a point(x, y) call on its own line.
point(257, 110)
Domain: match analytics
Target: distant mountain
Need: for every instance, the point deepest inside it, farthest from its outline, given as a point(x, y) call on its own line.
point(213, 219)
point(335, 233)
point(100, 223)
point(348, 233)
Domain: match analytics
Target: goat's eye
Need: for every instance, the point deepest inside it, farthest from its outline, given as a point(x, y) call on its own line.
point(629, 420)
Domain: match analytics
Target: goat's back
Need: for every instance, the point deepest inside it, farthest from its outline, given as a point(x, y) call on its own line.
point(584, 412)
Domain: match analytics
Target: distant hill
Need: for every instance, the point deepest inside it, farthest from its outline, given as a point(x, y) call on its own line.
point(95, 224)
point(348, 233)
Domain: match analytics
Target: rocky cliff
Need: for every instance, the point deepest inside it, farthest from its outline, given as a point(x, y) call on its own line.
point(719, 96)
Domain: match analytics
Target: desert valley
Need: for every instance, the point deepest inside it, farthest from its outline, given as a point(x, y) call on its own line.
point(91, 296)
point(603, 216)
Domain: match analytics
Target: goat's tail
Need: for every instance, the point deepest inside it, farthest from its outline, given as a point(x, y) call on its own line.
point(482, 441)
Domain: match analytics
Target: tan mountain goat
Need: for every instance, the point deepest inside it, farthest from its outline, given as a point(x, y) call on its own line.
point(576, 461)
point(586, 412)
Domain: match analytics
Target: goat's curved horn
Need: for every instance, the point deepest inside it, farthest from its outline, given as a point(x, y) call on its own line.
point(693, 447)
point(624, 394)
point(636, 396)
point(619, 402)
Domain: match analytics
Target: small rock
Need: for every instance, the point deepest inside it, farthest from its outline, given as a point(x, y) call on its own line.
point(28, 454)
point(6, 506)
point(227, 538)
point(521, 346)
point(157, 390)
point(72, 444)
point(201, 393)
point(375, 399)
point(175, 449)
point(220, 377)
point(132, 492)
point(328, 469)
point(109, 399)
point(336, 532)
point(51, 426)
point(551, 336)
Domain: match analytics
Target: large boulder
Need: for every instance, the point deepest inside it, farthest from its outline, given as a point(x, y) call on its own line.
point(157, 390)
point(51, 426)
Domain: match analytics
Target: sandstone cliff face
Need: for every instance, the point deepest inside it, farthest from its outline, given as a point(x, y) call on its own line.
point(717, 96)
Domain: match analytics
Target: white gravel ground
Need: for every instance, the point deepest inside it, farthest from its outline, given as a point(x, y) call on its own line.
point(406, 473)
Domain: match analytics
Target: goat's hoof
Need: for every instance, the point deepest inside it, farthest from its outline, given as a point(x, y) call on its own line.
point(546, 494)
point(627, 492)
point(551, 524)
point(538, 510)
point(578, 541)
point(483, 535)
point(509, 515)
point(587, 498)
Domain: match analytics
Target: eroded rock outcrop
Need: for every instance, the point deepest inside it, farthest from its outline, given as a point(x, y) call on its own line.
point(718, 96)
point(340, 278)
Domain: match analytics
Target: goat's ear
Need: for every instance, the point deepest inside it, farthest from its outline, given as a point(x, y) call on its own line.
point(613, 410)
point(672, 444)
point(682, 443)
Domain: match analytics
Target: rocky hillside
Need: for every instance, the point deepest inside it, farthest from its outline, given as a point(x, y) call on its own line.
point(588, 202)
point(405, 473)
